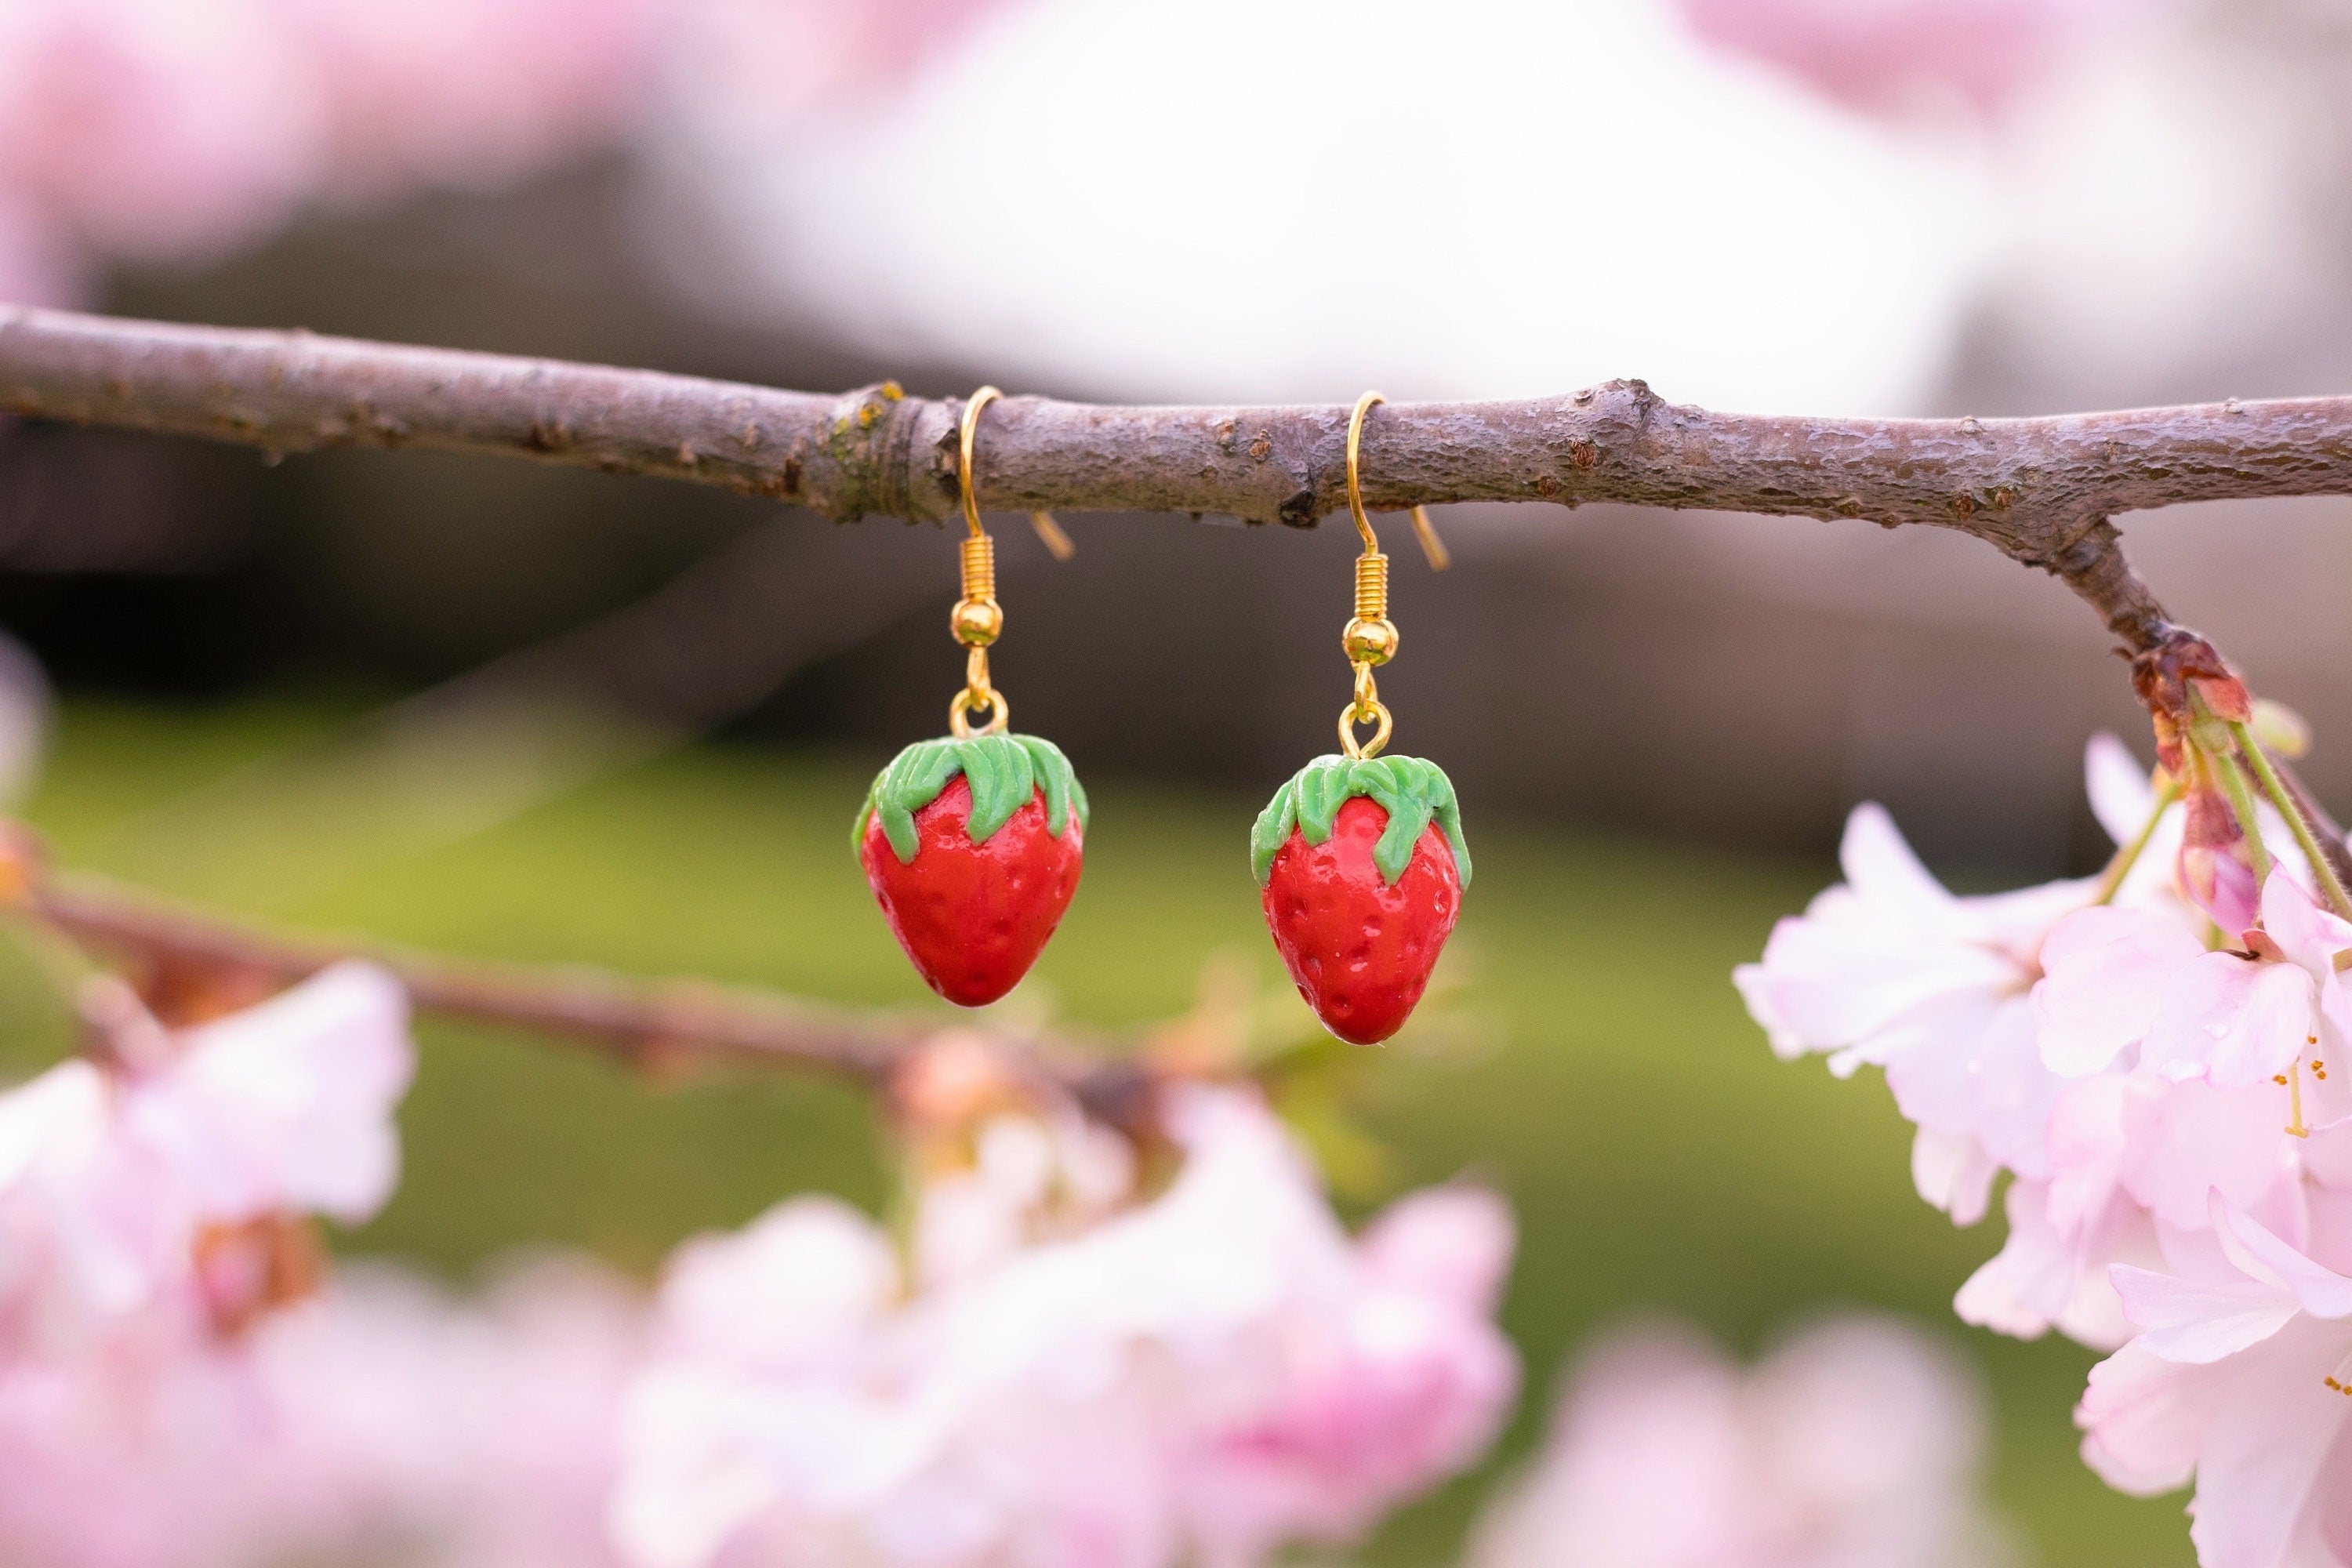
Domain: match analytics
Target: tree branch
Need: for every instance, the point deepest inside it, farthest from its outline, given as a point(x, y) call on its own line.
point(2043, 490)
point(645, 1025)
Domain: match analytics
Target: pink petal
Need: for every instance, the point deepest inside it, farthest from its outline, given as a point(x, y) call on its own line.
point(2194, 1322)
point(2143, 1418)
point(2263, 1448)
point(2105, 974)
point(2308, 936)
point(67, 1102)
point(786, 1291)
point(2121, 796)
point(1953, 1174)
point(1452, 1243)
point(2185, 1141)
point(2022, 1288)
point(2086, 1146)
point(1977, 1072)
point(2333, 1520)
point(287, 1105)
point(2320, 1292)
point(1880, 866)
point(2236, 1021)
point(1839, 985)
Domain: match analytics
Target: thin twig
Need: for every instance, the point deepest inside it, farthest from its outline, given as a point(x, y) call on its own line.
point(2042, 489)
point(645, 1023)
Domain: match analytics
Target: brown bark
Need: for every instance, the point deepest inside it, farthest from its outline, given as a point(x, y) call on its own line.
point(2042, 489)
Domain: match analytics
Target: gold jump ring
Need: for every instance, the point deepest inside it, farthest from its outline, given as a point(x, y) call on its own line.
point(1349, 718)
point(959, 712)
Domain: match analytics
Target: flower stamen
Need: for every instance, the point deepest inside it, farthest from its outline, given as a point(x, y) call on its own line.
point(2294, 1127)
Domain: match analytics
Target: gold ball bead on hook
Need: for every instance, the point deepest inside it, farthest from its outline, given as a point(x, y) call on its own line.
point(1369, 642)
point(976, 622)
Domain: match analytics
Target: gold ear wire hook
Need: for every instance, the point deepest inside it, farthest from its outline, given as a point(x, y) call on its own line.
point(1355, 483)
point(1433, 547)
point(1057, 543)
point(970, 427)
point(1371, 638)
point(977, 620)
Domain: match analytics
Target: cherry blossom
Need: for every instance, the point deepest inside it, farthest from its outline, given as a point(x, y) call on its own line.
point(1858, 1443)
point(128, 1190)
point(476, 1433)
point(1890, 969)
point(286, 1105)
point(2106, 971)
point(2121, 977)
point(83, 1241)
point(1027, 1179)
point(1399, 1384)
point(2240, 1379)
point(135, 1455)
point(2240, 1019)
point(2066, 1231)
point(156, 1239)
point(1217, 1370)
point(2136, 1158)
point(2199, 1073)
point(2102, 1050)
point(2186, 1198)
point(378, 1420)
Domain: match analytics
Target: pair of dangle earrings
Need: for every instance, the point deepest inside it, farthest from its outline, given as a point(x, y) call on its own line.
point(973, 843)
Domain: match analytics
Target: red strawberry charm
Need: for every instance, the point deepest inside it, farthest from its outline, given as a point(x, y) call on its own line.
point(973, 846)
point(1362, 864)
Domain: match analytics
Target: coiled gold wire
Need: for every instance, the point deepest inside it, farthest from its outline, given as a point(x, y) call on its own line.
point(980, 566)
point(1372, 586)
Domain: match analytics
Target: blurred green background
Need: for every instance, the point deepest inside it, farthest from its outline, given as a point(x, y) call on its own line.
point(1659, 1158)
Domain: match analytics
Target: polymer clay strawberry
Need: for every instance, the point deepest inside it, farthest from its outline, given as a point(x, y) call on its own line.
point(1363, 865)
point(972, 847)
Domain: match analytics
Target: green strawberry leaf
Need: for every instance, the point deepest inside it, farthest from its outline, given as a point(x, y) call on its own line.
point(1055, 776)
point(1002, 771)
point(1272, 828)
point(1321, 793)
point(1414, 792)
point(998, 771)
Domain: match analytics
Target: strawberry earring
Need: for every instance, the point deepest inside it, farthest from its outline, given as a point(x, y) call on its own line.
point(1361, 857)
point(972, 844)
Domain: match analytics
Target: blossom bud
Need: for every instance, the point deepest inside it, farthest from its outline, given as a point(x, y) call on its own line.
point(2281, 729)
point(245, 1271)
point(2214, 870)
point(955, 1082)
